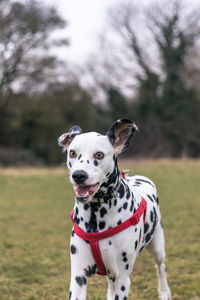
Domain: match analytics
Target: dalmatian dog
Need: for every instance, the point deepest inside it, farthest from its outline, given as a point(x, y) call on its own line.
point(104, 201)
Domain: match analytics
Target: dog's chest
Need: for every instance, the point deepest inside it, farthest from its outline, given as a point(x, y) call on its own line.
point(98, 216)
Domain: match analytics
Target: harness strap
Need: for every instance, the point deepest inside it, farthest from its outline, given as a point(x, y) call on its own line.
point(94, 237)
point(123, 174)
point(97, 257)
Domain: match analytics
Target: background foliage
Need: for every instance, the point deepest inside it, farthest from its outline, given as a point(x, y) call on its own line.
point(147, 69)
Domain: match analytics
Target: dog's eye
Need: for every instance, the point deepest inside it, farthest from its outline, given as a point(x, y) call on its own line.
point(99, 155)
point(72, 154)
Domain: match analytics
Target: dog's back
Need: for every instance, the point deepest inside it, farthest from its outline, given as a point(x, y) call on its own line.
point(142, 186)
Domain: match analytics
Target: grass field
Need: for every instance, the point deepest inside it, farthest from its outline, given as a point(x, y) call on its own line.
point(35, 229)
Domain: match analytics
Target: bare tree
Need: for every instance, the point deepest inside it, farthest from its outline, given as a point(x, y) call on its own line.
point(145, 52)
point(25, 40)
point(134, 40)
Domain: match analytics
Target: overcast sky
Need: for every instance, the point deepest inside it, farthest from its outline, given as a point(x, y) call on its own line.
point(86, 20)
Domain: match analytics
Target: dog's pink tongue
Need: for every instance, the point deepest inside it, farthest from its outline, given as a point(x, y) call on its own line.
point(84, 191)
point(81, 191)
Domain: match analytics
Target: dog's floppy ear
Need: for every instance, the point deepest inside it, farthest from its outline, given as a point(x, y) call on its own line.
point(121, 133)
point(66, 138)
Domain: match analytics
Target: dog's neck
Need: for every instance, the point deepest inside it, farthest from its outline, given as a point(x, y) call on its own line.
point(105, 209)
point(108, 189)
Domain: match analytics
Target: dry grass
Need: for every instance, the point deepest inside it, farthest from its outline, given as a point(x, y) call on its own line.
point(29, 171)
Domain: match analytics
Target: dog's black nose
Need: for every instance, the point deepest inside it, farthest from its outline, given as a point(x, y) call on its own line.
point(80, 176)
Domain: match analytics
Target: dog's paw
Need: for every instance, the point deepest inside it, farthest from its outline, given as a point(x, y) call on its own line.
point(165, 295)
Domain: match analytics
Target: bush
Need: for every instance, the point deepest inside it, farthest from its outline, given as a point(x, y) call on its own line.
point(12, 157)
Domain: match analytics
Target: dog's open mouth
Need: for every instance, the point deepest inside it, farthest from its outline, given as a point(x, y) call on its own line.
point(85, 192)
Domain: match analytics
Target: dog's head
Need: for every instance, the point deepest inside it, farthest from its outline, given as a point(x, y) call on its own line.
point(91, 156)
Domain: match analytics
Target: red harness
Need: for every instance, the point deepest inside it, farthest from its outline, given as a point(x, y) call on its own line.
point(93, 238)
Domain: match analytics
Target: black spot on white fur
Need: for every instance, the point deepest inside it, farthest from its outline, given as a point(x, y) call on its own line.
point(73, 249)
point(121, 191)
point(81, 280)
point(125, 259)
point(152, 200)
point(125, 205)
point(90, 270)
point(102, 225)
point(151, 216)
point(86, 206)
point(136, 243)
point(146, 227)
point(70, 295)
point(96, 163)
point(103, 211)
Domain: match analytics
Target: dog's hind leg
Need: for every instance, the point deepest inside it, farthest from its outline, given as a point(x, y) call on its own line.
point(157, 249)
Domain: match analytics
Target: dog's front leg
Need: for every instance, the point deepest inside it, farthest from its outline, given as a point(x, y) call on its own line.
point(82, 267)
point(118, 289)
point(78, 287)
